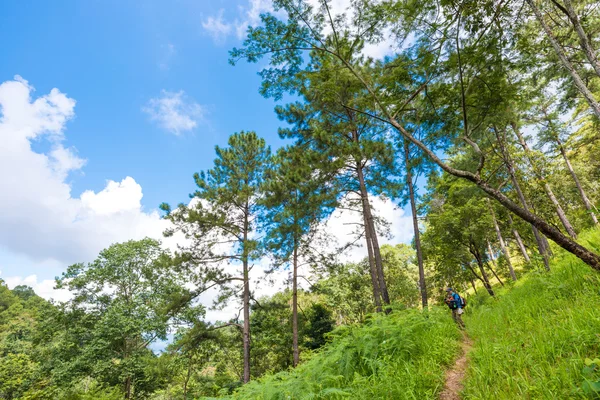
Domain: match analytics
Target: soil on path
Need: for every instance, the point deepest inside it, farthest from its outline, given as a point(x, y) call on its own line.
point(455, 375)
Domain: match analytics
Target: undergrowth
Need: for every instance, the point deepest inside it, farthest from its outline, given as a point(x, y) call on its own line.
point(399, 356)
point(532, 342)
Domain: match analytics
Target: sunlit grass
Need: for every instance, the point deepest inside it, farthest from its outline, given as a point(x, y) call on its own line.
point(532, 342)
point(399, 356)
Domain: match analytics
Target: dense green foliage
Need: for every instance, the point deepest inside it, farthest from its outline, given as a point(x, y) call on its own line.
point(494, 104)
point(534, 339)
point(399, 356)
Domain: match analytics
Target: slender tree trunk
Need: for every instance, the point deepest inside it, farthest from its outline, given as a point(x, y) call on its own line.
point(473, 284)
point(372, 268)
point(559, 210)
point(495, 274)
point(370, 223)
point(590, 258)
point(484, 277)
point(491, 254)
point(570, 245)
point(413, 207)
point(518, 239)
point(385, 296)
point(295, 306)
point(187, 379)
point(584, 41)
point(502, 244)
point(542, 244)
point(586, 200)
point(246, 299)
point(579, 83)
point(128, 387)
point(494, 265)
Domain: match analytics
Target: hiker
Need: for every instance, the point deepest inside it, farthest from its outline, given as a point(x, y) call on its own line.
point(456, 304)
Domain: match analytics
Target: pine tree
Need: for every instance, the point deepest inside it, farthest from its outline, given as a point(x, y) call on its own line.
point(221, 222)
point(297, 197)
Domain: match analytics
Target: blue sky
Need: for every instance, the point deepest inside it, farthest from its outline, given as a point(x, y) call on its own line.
point(108, 108)
point(112, 57)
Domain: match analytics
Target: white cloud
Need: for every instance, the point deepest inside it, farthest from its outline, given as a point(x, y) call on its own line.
point(49, 228)
point(220, 29)
point(250, 16)
point(46, 225)
point(342, 223)
point(174, 112)
point(217, 28)
point(44, 288)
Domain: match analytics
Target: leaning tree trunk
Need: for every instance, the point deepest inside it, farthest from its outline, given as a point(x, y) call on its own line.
point(579, 83)
point(413, 207)
point(570, 245)
point(494, 263)
point(473, 284)
point(495, 273)
point(502, 244)
point(586, 200)
point(484, 277)
point(542, 245)
point(518, 239)
point(584, 40)
point(537, 171)
point(589, 257)
point(246, 299)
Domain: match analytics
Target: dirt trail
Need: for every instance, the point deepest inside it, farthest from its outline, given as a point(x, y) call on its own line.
point(455, 375)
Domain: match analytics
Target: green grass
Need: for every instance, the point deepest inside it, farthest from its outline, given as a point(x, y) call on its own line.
point(399, 356)
point(533, 340)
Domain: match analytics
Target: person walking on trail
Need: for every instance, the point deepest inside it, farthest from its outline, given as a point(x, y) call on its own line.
point(456, 304)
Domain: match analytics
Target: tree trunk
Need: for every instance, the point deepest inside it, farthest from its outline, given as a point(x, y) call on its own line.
point(584, 41)
point(370, 223)
point(413, 207)
point(246, 299)
point(559, 210)
point(542, 245)
point(495, 274)
point(385, 296)
point(128, 387)
point(587, 256)
point(494, 264)
point(484, 277)
point(586, 200)
point(372, 268)
point(502, 244)
point(473, 284)
point(519, 240)
point(295, 307)
point(579, 83)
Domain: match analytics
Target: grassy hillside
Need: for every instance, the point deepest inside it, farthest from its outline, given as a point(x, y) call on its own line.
point(532, 341)
point(400, 356)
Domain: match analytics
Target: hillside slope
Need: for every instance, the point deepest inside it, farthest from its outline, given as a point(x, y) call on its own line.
point(532, 341)
point(399, 356)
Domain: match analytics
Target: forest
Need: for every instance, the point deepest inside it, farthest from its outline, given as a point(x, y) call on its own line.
point(485, 124)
